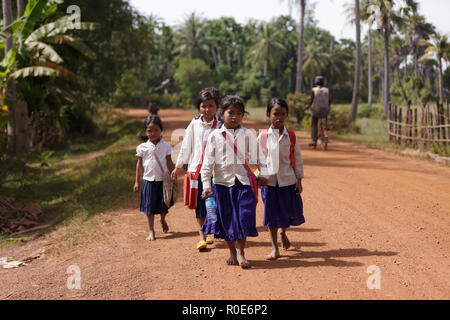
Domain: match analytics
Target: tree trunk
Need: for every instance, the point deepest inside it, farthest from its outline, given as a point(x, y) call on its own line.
point(299, 83)
point(11, 84)
point(370, 85)
point(20, 7)
point(386, 95)
point(357, 83)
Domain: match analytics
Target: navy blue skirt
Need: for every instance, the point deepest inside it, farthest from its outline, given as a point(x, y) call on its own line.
point(152, 198)
point(200, 211)
point(236, 213)
point(283, 207)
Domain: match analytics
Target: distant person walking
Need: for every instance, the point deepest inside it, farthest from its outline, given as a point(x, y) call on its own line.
point(320, 102)
point(153, 108)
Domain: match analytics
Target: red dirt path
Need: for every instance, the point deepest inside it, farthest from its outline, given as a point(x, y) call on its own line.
point(362, 207)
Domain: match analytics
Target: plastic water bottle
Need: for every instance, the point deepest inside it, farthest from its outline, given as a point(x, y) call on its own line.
point(211, 209)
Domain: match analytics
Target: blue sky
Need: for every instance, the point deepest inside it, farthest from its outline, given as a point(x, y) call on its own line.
point(329, 13)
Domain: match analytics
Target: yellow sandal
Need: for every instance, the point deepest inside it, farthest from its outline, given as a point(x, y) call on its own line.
point(201, 245)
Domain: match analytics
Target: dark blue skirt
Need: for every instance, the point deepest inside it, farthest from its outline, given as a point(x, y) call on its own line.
point(236, 213)
point(282, 207)
point(152, 198)
point(200, 211)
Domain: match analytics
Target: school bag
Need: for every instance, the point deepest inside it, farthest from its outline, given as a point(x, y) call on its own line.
point(190, 185)
point(169, 186)
point(292, 138)
point(321, 106)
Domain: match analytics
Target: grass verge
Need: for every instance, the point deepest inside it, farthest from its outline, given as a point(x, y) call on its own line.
point(72, 194)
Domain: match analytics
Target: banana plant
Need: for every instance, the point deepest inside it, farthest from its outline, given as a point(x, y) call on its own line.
point(35, 54)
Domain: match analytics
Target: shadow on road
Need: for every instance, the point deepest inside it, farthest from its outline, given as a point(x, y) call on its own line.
point(330, 258)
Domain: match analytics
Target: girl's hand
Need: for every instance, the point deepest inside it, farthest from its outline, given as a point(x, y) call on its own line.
point(136, 187)
point(175, 173)
point(263, 182)
point(206, 193)
point(299, 187)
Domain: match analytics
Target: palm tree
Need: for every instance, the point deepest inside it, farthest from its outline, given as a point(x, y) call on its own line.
point(382, 11)
point(365, 17)
point(302, 6)
point(438, 48)
point(191, 37)
point(268, 47)
point(356, 86)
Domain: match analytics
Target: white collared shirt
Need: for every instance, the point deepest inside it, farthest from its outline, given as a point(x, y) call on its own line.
point(147, 151)
point(280, 169)
point(194, 141)
point(220, 161)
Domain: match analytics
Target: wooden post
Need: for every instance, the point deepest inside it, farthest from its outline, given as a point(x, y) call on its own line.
point(410, 123)
point(415, 127)
point(395, 122)
point(400, 126)
point(390, 119)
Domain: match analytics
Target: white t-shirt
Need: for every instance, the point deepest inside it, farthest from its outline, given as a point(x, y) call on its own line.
point(147, 151)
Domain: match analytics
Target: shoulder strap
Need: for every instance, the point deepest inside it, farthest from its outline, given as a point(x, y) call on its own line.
point(264, 138)
point(236, 151)
point(293, 139)
point(197, 173)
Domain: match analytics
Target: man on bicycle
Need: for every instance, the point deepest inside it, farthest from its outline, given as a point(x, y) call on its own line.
point(321, 101)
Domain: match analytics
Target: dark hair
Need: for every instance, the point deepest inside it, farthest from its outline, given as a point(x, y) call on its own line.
point(150, 119)
point(206, 94)
point(276, 101)
point(319, 81)
point(228, 101)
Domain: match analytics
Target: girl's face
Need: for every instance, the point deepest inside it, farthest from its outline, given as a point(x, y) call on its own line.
point(208, 109)
point(232, 117)
point(278, 116)
point(153, 132)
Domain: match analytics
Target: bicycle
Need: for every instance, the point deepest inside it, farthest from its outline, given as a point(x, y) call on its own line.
point(323, 135)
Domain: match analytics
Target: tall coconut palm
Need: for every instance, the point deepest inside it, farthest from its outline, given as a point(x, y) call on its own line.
point(302, 6)
point(191, 37)
point(437, 48)
point(383, 13)
point(356, 85)
point(268, 47)
point(365, 17)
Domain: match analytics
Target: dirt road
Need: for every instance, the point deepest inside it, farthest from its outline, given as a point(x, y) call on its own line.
point(362, 207)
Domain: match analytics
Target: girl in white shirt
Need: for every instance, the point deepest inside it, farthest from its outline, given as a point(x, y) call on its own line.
point(191, 151)
point(152, 197)
point(232, 188)
point(283, 206)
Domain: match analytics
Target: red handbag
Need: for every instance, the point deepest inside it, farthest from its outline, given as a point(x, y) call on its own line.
point(190, 185)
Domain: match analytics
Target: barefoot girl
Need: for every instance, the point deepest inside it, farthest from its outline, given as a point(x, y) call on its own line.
point(283, 205)
point(154, 158)
point(232, 187)
point(192, 150)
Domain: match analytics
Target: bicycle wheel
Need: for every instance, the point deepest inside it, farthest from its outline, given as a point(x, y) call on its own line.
point(323, 138)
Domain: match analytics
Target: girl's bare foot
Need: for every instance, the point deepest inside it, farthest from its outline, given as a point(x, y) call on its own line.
point(151, 236)
point(274, 255)
point(232, 261)
point(164, 225)
point(286, 244)
point(242, 261)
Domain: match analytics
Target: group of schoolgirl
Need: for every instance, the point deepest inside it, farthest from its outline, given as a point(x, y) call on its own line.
point(232, 184)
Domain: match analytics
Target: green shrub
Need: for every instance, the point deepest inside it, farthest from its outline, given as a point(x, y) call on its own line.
point(338, 121)
point(297, 106)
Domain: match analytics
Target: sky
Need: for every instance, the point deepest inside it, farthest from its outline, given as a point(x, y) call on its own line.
point(329, 13)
